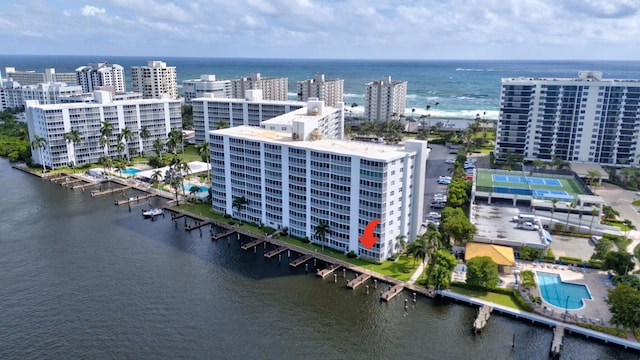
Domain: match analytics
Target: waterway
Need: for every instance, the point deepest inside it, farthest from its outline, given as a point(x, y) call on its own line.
point(82, 278)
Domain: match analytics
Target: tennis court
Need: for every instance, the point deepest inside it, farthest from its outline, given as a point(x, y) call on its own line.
point(525, 180)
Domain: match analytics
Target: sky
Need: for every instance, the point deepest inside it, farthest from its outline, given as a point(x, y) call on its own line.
point(342, 29)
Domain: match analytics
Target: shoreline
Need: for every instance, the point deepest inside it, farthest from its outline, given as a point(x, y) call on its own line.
point(392, 282)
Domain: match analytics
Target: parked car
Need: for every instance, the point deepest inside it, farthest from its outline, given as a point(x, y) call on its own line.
point(433, 221)
point(595, 238)
point(438, 205)
point(528, 226)
point(435, 215)
point(450, 160)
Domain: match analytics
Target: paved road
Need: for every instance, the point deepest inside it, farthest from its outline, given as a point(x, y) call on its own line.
point(436, 166)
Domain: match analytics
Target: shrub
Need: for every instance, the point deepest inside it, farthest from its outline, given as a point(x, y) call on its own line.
point(306, 240)
point(352, 255)
point(268, 230)
point(604, 329)
point(571, 260)
point(527, 278)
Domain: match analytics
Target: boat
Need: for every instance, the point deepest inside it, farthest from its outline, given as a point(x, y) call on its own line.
point(152, 213)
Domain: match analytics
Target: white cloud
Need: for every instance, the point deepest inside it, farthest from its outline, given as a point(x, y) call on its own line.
point(89, 10)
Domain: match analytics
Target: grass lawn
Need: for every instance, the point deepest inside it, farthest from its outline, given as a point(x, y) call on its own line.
point(501, 299)
point(401, 270)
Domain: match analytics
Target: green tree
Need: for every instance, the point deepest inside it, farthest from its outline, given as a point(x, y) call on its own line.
point(144, 134)
point(482, 272)
point(418, 249)
point(222, 124)
point(594, 214)
point(238, 203)
point(321, 232)
point(444, 265)
point(621, 262)
point(40, 143)
point(173, 178)
point(204, 150)
point(553, 211)
point(193, 190)
point(400, 245)
point(602, 248)
point(158, 147)
point(125, 137)
point(456, 225)
point(156, 175)
point(569, 208)
point(624, 304)
point(106, 130)
point(74, 137)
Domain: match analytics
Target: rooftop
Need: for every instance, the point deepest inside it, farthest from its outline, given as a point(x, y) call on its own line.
point(357, 148)
point(494, 226)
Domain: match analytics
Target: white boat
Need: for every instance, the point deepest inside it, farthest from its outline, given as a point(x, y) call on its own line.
point(152, 213)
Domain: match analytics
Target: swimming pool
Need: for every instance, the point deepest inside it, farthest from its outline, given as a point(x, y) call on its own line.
point(561, 294)
point(187, 187)
point(130, 171)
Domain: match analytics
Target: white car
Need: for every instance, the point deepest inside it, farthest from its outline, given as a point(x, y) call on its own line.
point(450, 160)
point(528, 226)
point(595, 239)
point(435, 215)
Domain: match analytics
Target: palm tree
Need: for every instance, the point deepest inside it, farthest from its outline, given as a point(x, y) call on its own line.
point(400, 245)
point(322, 230)
point(204, 150)
point(222, 124)
point(120, 148)
point(40, 143)
point(158, 146)
point(593, 174)
point(238, 203)
point(144, 134)
point(106, 130)
point(629, 226)
point(73, 136)
point(553, 210)
point(418, 249)
point(594, 213)
point(125, 137)
point(571, 206)
point(104, 141)
point(184, 170)
point(155, 177)
point(193, 190)
point(173, 178)
point(176, 137)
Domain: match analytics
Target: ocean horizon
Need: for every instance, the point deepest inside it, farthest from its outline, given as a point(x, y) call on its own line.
point(450, 88)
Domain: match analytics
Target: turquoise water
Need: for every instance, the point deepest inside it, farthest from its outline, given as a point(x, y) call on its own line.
point(130, 171)
point(187, 187)
point(561, 294)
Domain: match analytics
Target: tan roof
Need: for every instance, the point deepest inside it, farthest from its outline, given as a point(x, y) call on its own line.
point(582, 169)
point(501, 255)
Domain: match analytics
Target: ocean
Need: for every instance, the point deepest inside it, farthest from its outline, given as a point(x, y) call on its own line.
point(462, 88)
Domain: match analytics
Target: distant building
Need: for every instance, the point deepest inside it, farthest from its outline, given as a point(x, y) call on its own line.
point(156, 80)
point(329, 91)
point(384, 99)
point(297, 178)
point(209, 112)
point(52, 122)
point(272, 88)
point(31, 77)
point(583, 119)
point(207, 84)
point(13, 95)
point(101, 75)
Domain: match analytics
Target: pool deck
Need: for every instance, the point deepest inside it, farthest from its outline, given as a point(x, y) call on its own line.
point(595, 311)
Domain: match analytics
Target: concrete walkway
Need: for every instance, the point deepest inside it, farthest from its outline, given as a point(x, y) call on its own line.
point(416, 274)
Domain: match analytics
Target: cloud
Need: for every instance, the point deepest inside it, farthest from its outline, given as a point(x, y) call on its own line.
point(89, 10)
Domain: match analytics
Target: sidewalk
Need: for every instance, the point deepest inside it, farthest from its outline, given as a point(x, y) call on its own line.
point(416, 274)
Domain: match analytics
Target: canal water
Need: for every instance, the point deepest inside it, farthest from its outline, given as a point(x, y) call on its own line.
point(82, 278)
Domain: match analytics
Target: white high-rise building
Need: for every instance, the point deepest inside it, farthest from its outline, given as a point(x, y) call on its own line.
point(272, 88)
point(584, 119)
point(210, 112)
point(208, 86)
point(298, 179)
point(101, 75)
point(330, 91)
point(46, 93)
point(156, 80)
point(30, 77)
point(385, 98)
point(52, 122)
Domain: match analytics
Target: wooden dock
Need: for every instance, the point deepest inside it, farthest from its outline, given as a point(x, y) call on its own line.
point(222, 234)
point(251, 244)
point(352, 284)
point(197, 225)
point(109, 191)
point(177, 216)
point(275, 252)
point(483, 317)
point(328, 271)
point(556, 343)
point(134, 198)
point(300, 260)
point(391, 293)
point(82, 186)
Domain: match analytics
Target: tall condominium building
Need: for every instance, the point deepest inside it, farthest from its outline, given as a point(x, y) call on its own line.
point(155, 81)
point(207, 84)
point(330, 91)
point(584, 119)
point(15, 95)
point(272, 88)
point(31, 77)
point(384, 99)
point(52, 122)
point(211, 112)
point(299, 179)
point(101, 75)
